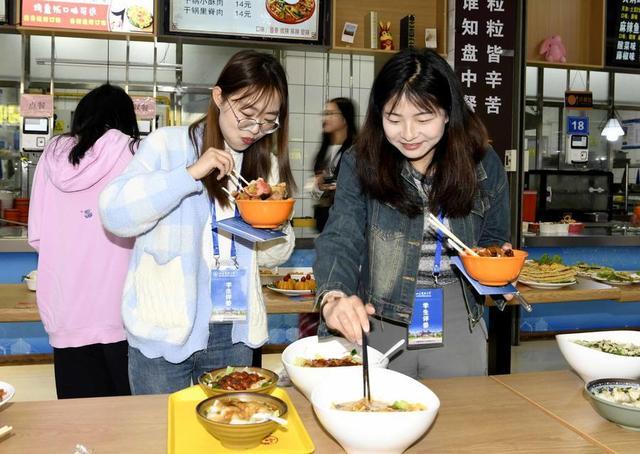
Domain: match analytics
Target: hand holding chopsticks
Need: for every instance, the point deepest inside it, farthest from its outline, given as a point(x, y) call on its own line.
point(366, 387)
point(453, 240)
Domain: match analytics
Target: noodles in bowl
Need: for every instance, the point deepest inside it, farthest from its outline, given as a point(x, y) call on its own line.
point(364, 405)
point(400, 406)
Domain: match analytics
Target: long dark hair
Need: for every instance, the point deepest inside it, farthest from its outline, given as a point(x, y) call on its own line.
point(426, 80)
point(257, 74)
point(348, 111)
point(103, 108)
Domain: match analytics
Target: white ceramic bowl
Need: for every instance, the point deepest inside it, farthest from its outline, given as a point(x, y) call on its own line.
point(592, 364)
point(31, 280)
point(374, 432)
point(306, 378)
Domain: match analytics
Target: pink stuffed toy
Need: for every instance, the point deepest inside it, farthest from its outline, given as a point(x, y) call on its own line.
point(553, 49)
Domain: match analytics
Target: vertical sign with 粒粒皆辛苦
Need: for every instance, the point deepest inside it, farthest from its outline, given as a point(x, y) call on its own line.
point(484, 63)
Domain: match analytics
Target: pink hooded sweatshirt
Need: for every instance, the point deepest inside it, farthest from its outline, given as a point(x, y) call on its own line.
point(81, 266)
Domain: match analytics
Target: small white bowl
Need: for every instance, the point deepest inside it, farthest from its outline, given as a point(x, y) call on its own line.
point(592, 364)
point(31, 280)
point(306, 378)
point(371, 433)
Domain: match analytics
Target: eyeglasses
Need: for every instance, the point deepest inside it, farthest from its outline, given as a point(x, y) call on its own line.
point(328, 113)
point(247, 124)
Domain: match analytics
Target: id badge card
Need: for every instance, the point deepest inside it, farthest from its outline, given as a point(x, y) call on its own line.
point(229, 295)
point(426, 329)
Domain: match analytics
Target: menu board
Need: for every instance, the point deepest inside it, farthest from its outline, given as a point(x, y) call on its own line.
point(289, 20)
point(623, 33)
point(119, 16)
point(484, 62)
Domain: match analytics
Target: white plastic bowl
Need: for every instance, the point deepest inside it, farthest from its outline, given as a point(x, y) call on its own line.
point(306, 378)
point(374, 432)
point(592, 364)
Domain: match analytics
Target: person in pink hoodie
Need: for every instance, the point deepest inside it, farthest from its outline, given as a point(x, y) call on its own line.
point(81, 266)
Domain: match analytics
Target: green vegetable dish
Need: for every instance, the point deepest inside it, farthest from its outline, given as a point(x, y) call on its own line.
point(615, 348)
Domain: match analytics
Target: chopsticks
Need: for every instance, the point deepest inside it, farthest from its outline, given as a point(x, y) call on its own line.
point(366, 387)
point(237, 178)
point(4, 430)
point(435, 223)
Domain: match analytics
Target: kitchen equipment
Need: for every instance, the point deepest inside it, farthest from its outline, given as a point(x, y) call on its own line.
point(571, 191)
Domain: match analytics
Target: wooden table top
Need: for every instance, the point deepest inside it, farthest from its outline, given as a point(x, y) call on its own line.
point(18, 304)
point(561, 394)
point(477, 414)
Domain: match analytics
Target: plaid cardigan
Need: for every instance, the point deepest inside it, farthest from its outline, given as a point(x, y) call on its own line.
point(167, 296)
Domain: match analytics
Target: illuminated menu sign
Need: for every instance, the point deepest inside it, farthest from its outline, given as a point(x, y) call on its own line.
point(274, 19)
point(623, 33)
point(484, 62)
point(120, 16)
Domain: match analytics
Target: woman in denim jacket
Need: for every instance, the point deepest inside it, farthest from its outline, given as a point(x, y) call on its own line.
point(422, 150)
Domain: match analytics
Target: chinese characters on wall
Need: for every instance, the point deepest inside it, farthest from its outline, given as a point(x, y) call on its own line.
point(485, 40)
point(623, 33)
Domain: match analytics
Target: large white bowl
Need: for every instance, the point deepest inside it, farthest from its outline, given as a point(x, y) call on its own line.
point(592, 364)
point(306, 378)
point(374, 432)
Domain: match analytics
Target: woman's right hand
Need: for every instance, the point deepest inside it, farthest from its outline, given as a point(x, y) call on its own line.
point(211, 160)
point(348, 315)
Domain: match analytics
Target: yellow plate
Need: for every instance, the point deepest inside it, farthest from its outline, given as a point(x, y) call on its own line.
point(187, 436)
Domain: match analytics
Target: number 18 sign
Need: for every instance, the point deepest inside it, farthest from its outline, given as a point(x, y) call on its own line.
point(578, 125)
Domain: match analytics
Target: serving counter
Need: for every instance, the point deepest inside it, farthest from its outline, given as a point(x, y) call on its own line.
point(477, 414)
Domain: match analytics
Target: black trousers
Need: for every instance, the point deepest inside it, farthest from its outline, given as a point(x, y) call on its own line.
point(96, 370)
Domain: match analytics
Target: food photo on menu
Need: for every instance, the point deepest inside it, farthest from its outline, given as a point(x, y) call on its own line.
point(130, 15)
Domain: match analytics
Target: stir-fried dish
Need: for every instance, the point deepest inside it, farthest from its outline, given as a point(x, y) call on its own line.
point(615, 348)
point(623, 395)
point(236, 411)
point(236, 380)
point(2, 394)
point(351, 359)
point(288, 13)
point(364, 405)
point(261, 190)
point(493, 251)
point(139, 16)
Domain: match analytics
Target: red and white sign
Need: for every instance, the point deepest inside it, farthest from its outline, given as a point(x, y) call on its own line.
point(36, 106)
point(128, 16)
point(145, 108)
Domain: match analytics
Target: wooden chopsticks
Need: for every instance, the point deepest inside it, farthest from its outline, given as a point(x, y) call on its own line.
point(4, 430)
point(461, 247)
point(366, 387)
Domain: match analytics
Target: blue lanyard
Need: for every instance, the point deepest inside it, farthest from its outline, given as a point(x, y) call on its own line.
point(438, 255)
point(216, 244)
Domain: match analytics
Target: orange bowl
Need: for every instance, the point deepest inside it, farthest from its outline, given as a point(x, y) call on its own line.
point(494, 271)
point(265, 214)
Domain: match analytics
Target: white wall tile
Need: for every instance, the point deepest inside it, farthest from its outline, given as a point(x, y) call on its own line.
point(11, 56)
point(363, 100)
point(335, 92)
point(295, 70)
point(314, 71)
point(296, 155)
point(296, 127)
point(312, 127)
point(313, 99)
point(297, 176)
point(366, 73)
point(307, 207)
point(335, 71)
point(310, 151)
point(296, 98)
